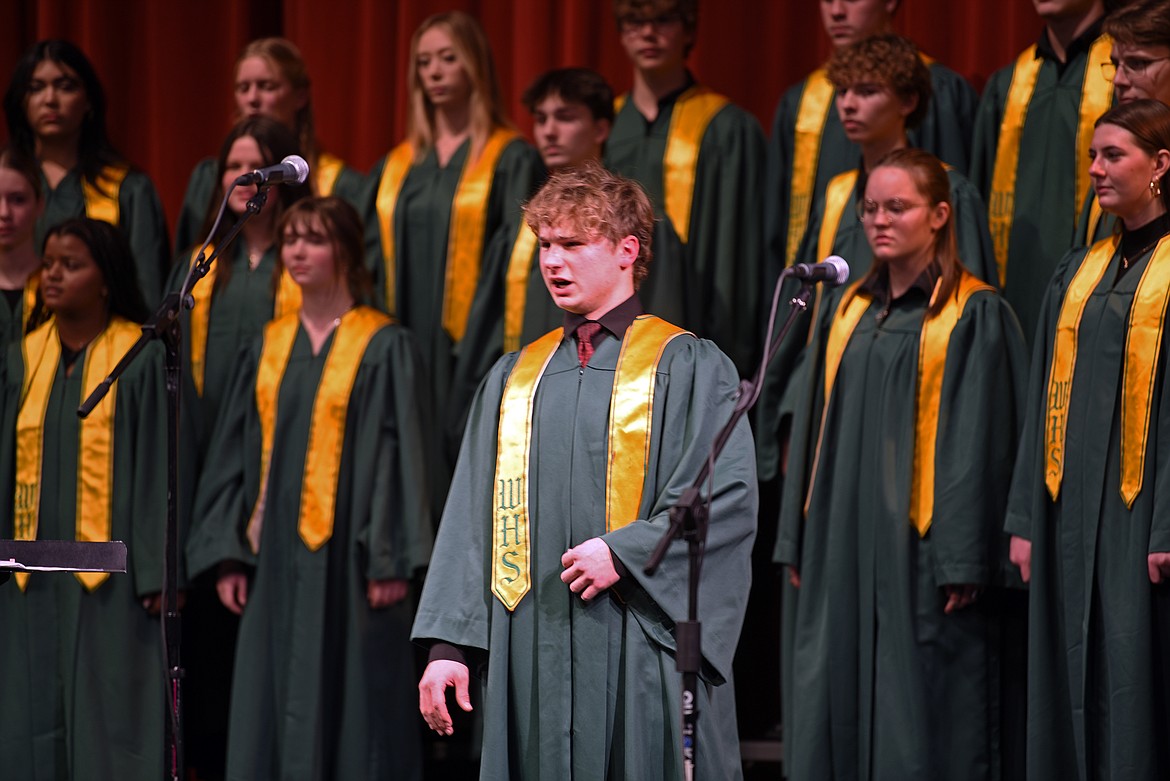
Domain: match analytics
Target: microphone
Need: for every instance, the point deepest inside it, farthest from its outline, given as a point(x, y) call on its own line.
point(833, 271)
point(291, 170)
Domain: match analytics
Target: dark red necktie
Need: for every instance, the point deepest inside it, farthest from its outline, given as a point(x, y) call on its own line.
point(585, 334)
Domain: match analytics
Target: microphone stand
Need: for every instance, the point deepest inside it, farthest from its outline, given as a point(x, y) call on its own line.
point(689, 519)
point(164, 325)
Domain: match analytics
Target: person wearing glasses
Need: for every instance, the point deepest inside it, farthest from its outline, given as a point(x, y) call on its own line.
point(902, 447)
point(701, 160)
point(1139, 67)
point(1088, 500)
point(882, 89)
point(1030, 157)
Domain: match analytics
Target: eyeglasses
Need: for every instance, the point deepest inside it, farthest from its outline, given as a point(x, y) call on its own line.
point(1134, 66)
point(895, 208)
point(634, 24)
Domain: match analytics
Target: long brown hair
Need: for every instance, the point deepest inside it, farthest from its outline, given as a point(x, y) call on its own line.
point(475, 56)
point(276, 142)
point(931, 180)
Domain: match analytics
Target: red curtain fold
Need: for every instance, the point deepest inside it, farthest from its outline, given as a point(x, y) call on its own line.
point(168, 67)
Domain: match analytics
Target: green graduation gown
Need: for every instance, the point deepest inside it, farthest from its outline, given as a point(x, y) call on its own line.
point(350, 185)
point(82, 673)
point(589, 690)
point(323, 685)
point(1099, 634)
point(711, 284)
point(11, 316)
point(421, 229)
point(945, 132)
point(239, 311)
point(1046, 197)
point(140, 216)
point(887, 685)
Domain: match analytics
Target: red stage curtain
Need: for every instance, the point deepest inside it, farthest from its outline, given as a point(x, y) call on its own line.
point(167, 66)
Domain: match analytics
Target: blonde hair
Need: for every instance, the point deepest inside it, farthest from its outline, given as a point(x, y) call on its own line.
point(475, 57)
point(285, 58)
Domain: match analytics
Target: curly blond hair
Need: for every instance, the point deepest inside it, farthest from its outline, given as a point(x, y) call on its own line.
point(598, 203)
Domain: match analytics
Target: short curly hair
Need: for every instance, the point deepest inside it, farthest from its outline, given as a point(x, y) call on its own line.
point(598, 203)
point(889, 60)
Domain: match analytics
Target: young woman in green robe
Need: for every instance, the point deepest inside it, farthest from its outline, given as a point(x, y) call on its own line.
point(441, 208)
point(1139, 67)
point(1088, 511)
point(56, 112)
point(312, 511)
point(271, 80)
point(902, 445)
point(232, 306)
point(20, 263)
point(882, 91)
point(81, 657)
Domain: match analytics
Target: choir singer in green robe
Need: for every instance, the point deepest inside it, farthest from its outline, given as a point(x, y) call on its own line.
point(55, 107)
point(313, 510)
point(81, 656)
point(576, 448)
point(897, 480)
point(1089, 498)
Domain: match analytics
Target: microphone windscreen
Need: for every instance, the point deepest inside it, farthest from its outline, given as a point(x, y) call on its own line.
point(301, 167)
point(838, 262)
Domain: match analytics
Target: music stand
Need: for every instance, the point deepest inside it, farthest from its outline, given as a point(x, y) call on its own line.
point(60, 556)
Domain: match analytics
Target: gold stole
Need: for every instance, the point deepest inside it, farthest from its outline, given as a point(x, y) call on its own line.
point(101, 203)
point(630, 414)
point(1096, 97)
point(468, 225)
point(932, 357)
point(516, 286)
point(29, 300)
point(932, 354)
point(1095, 215)
point(837, 196)
point(692, 113)
point(95, 455)
point(1143, 346)
point(327, 427)
point(328, 168)
point(811, 114)
point(288, 299)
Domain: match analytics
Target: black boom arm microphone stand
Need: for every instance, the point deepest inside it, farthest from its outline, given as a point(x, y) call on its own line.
point(690, 516)
point(164, 325)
